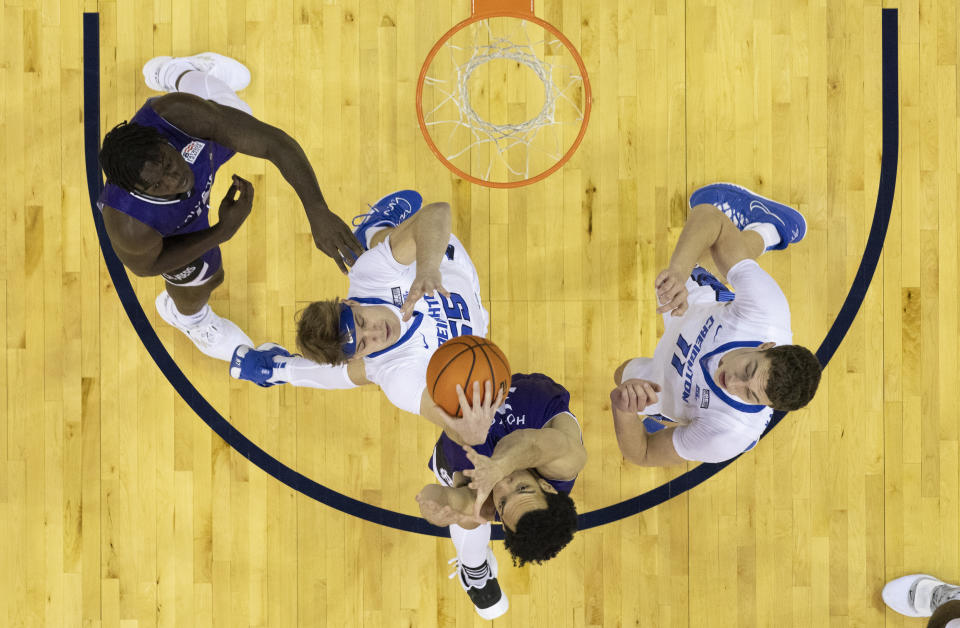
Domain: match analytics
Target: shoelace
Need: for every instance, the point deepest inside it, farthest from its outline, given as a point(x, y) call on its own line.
point(358, 220)
point(738, 219)
point(471, 582)
point(209, 334)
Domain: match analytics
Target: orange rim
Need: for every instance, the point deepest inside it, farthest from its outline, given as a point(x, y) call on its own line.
point(587, 96)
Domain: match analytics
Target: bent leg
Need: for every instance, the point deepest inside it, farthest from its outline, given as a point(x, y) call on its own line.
point(210, 88)
point(732, 245)
point(190, 299)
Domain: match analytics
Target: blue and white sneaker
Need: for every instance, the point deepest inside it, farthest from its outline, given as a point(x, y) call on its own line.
point(389, 211)
point(257, 365)
point(743, 207)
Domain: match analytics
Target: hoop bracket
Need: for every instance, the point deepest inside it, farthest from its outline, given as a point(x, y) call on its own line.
point(484, 8)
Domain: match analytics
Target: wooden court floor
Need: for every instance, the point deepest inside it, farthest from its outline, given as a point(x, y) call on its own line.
point(119, 507)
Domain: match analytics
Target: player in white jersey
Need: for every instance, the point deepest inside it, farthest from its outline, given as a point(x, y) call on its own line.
point(413, 289)
point(725, 361)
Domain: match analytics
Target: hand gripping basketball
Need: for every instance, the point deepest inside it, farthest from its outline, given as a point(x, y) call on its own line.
point(463, 361)
point(477, 418)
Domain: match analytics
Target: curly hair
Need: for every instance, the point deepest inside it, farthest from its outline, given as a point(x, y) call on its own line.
point(541, 534)
point(794, 376)
point(126, 147)
point(318, 332)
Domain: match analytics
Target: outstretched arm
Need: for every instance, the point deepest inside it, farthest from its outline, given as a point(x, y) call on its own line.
point(707, 229)
point(555, 451)
point(422, 238)
point(472, 427)
point(444, 505)
point(245, 134)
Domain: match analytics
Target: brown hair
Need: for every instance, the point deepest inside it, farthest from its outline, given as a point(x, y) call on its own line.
point(794, 377)
point(318, 332)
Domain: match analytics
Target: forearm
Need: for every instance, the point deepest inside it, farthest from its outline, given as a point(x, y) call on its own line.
point(699, 234)
point(525, 449)
point(434, 499)
point(287, 155)
point(430, 411)
point(432, 235)
point(631, 435)
point(180, 250)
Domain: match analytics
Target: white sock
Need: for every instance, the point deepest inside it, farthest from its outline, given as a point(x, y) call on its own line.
point(190, 320)
point(471, 544)
point(769, 233)
point(171, 70)
point(205, 86)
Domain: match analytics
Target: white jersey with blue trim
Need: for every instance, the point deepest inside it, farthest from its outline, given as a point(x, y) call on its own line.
point(378, 279)
point(714, 425)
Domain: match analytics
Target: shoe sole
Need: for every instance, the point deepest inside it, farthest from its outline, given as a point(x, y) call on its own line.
point(769, 200)
point(498, 609)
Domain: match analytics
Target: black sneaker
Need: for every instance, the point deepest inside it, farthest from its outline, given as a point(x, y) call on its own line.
point(484, 592)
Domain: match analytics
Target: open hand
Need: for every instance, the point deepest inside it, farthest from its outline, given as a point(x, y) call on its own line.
point(484, 475)
point(477, 418)
point(440, 514)
point(333, 237)
point(426, 282)
point(671, 285)
point(634, 395)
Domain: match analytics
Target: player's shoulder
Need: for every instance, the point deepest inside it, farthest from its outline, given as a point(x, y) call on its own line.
point(534, 383)
point(723, 417)
point(375, 263)
point(406, 358)
point(536, 392)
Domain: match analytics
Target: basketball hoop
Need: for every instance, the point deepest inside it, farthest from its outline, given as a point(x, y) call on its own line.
point(508, 100)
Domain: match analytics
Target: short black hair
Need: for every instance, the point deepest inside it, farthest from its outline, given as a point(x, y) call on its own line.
point(126, 147)
point(794, 376)
point(541, 534)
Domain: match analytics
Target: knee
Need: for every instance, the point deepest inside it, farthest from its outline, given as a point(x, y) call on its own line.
point(216, 280)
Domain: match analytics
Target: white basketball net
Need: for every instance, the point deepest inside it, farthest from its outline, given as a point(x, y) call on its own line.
point(562, 98)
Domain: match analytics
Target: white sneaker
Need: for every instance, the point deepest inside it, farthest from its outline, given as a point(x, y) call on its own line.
point(486, 595)
point(213, 335)
point(911, 595)
point(159, 77)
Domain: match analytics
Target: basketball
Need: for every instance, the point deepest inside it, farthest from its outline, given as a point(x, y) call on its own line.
point(464, 360)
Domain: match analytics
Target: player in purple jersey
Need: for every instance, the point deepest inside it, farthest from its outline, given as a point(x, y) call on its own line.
point(160, 168)
point(521, 474)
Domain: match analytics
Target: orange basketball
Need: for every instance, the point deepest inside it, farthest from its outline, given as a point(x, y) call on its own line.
point(464, 360)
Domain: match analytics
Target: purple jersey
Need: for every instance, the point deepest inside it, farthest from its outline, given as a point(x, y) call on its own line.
point(533, 400)
point(172, 216)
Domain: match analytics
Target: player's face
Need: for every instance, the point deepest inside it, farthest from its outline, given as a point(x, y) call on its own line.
point(168, 176)
point(377, 326)
point(519, 493)
point(744, 372)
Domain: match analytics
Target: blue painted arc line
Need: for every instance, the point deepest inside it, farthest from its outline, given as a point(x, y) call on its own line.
point(399, 521)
